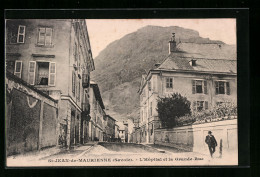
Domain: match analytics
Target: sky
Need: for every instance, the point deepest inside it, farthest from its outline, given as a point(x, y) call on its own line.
point(104, 31)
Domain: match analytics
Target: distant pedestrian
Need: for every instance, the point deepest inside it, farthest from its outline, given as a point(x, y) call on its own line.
point(211, 142)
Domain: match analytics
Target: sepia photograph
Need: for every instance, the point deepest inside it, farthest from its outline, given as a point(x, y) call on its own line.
point(121, 92)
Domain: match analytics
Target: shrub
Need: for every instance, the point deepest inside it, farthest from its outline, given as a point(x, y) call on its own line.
point(170, 108)
point(222, 111)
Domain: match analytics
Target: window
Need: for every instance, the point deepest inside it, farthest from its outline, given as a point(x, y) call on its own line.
point(79, 58)
point(169, 82)
point(21, 34)
point(79, 90)
point(200, 105)
point(73, 82)
point(144, 92)
point(16, 34)
point(18, 68)
point(42, 73)
point(222, 87)
point(154, 83)
point(219, 103)
point(75, 52)
point(44, 36)
point(10, 66)
point(149, 85)
point(141, 97)
point(151, 108)
point(199, 86)
point(42, 78)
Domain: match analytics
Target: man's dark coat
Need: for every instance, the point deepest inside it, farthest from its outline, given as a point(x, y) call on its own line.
point(211, 141)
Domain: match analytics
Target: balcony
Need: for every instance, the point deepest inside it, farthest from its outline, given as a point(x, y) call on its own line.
point(85, 80)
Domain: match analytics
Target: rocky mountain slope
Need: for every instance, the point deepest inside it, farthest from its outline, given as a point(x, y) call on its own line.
point(120, 65)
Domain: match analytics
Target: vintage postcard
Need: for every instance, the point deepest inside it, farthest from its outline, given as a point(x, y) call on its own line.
point(121, 92)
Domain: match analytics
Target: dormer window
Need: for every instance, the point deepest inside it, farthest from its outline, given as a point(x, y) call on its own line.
point(193, 62)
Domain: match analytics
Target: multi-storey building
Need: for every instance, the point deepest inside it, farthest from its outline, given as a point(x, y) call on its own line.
point(122, 132)
point(205, 82)
point(110, 128)
point(97, 114)
point(54, 56)
point(116, 131)
point(126, 131)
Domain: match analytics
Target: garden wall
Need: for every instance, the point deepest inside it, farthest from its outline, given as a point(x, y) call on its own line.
point(31, 117)
point(192, 137)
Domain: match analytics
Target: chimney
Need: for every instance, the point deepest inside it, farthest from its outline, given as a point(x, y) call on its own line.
point(172, 44)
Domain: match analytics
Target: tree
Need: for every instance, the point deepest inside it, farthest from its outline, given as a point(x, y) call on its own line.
point(170, 108)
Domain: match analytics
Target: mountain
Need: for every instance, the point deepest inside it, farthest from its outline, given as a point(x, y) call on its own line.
point(120, 65)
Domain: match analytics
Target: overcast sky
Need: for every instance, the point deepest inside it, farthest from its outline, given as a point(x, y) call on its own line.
point(104, 31)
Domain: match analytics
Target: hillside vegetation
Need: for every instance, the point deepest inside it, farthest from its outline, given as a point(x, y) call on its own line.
point(120, 65)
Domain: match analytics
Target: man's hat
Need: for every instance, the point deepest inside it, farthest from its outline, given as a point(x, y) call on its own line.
point(209, 132)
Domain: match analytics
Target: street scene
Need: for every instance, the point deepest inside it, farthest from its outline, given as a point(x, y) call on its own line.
point(121, 92)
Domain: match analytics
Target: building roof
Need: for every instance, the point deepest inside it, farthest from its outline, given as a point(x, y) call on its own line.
point(121, 125)
point(110, 117)
point(19, 80)
point(181, 61)
point(97, 93)
point(210, 51)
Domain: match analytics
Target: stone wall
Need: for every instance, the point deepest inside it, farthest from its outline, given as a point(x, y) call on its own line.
point(192, 137)
point(30, 117)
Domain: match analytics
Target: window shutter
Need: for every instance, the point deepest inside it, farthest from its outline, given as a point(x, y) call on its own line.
point(41, 36)
point(194, 106)
point(228, 88)
point(193, 87)
point(216, 86)
point(32, 67)
point(205, 87)
point(206, 105)
point(18, 68)
point(21, 34)
point(52, 74)
point(48, 36)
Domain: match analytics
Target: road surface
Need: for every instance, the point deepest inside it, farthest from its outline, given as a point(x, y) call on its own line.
point(115, 154)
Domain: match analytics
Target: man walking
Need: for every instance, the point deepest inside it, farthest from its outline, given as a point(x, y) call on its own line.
point(211, 142)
